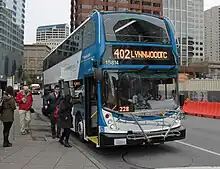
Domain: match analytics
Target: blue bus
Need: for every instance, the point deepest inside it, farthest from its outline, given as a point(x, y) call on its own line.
point(121, 68)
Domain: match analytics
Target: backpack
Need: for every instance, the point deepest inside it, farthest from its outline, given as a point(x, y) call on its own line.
point(1, 106)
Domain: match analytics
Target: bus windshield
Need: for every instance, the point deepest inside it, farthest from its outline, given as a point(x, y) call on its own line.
point(136, 92)
point(124, 27)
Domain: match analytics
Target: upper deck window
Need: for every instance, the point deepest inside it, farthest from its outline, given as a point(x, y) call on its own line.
point(124, 27)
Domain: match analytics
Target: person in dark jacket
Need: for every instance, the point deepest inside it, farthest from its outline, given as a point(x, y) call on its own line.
point(7, 116)
point(65, 119)
point(50, 102)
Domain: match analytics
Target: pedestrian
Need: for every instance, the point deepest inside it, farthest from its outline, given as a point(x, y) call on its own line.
point(50, 102)
point(65, 119)
point(25, 100)
point(7, 114)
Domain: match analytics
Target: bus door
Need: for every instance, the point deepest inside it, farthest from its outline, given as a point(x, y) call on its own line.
point(91, 118)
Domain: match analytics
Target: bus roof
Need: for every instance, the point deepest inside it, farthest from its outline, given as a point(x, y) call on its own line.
point(132, 12)
point(103, 12)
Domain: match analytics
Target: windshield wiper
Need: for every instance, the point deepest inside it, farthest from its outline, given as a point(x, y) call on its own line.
point(124, 26)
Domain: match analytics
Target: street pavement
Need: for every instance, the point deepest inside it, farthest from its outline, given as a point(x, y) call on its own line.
point(38, 151)
point(200, 150)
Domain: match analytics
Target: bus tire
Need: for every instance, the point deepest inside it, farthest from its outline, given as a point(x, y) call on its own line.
point(80, 128)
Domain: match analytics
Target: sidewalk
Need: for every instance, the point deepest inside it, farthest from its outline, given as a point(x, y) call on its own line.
point(38, 151)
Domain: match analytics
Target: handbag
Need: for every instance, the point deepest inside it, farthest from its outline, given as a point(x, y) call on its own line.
point(56, 112)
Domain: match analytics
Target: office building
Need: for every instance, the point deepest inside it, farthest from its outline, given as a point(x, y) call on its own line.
point(12, 14)
point(18, 11)
point(188, 19)
point(81, 9)
point(212, 34)
point(52, 35)
point(33, 62)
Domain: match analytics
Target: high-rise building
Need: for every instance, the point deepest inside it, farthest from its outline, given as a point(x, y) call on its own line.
point(52, 35)
point(12, 14)
point(188, 19)
point(212, 34)
point(80, 9)
point(33, 62)
point(18, 11)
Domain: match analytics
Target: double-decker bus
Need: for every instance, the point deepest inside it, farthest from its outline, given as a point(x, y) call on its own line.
point(120, 64)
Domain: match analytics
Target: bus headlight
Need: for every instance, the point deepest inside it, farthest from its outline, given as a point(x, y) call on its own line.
point(110, 121)
point(112, 126)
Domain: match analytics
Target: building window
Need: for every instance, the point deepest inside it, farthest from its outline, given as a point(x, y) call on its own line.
point(178, 4)
point(184, 5)
point(178, 16)
point(171, 2)
point(156, 4)
point(165, 3)
point(87, 6)
point(132, 2)
point(146, 3)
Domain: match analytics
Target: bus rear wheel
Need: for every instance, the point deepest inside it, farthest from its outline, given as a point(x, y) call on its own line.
point(80, 128)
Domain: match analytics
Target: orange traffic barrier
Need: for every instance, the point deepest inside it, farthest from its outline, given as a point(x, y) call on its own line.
point(204, 109)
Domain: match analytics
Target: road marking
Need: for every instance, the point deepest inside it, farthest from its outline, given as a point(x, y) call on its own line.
point(199, 148)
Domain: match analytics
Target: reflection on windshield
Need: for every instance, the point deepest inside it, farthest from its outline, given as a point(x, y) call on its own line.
point(135, 28)
point(133, 91)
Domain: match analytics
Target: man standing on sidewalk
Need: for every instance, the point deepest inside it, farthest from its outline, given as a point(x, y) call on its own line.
point(51, 101)
point(25, 100)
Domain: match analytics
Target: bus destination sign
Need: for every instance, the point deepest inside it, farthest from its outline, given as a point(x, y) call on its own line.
point(128, 54)
point(138, 55)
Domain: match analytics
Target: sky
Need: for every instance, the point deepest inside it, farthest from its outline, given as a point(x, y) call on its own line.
point(45, 12)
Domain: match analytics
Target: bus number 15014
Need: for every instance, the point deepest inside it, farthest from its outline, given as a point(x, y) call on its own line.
point(112, 62)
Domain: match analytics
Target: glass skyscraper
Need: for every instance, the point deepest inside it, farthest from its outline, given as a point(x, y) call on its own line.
point(12, 15)
point(188, 19)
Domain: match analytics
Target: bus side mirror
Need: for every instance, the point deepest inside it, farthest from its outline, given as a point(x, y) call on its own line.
point(98, 74)
point(181, 99)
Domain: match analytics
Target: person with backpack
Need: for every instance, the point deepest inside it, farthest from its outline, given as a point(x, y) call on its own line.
point(7, 108)
point(25, 100)
point(51, 102)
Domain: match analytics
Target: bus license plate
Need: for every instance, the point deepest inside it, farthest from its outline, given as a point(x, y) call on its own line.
point(119, 142)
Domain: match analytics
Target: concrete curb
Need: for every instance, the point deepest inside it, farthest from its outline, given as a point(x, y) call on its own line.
point(97, 163)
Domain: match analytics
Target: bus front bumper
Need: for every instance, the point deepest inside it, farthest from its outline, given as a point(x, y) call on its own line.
point(120, 139)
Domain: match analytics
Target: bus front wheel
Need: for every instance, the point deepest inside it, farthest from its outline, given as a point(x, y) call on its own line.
point(80, 128)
